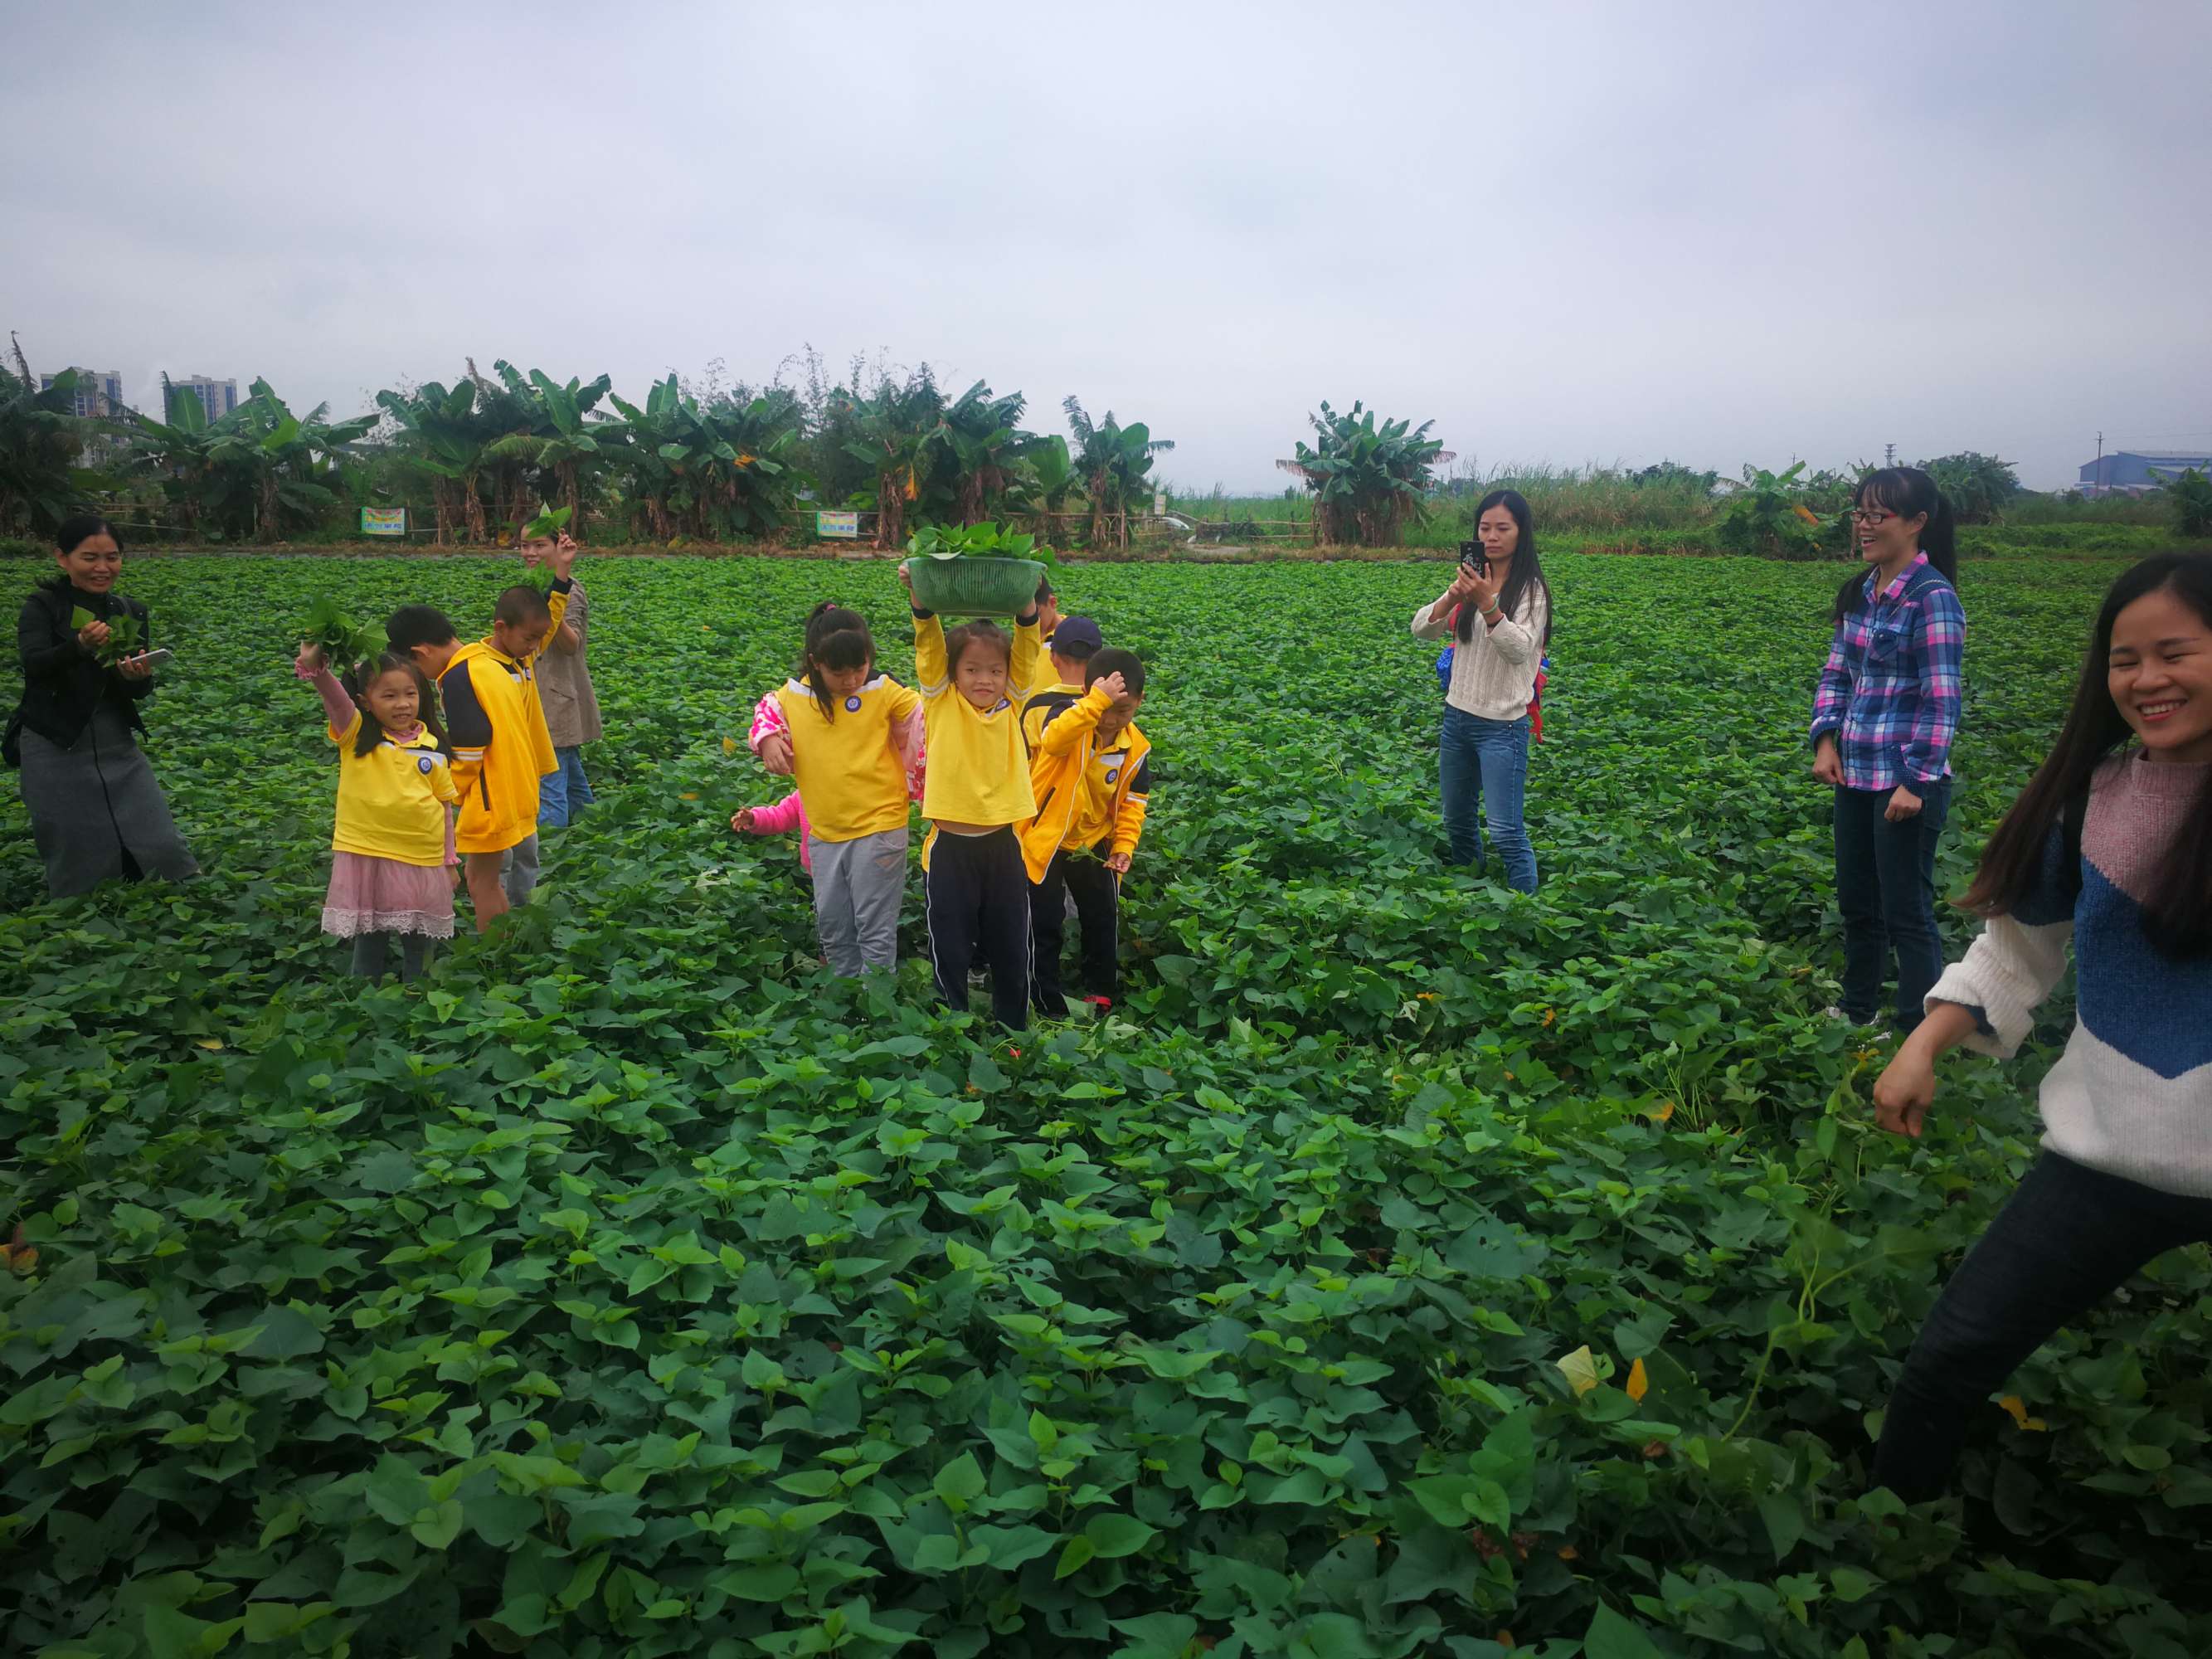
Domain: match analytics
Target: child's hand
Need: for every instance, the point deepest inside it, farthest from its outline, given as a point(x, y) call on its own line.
point(1114, 686)
point(309, 662)
point(564, 556)
point(741, 820)
point(1118, 863)
point(775, 753)
point(906, 577)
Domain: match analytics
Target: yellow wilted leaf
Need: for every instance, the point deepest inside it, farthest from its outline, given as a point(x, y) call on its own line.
point(1504, 1638)
point(690, 795)
point(1808, 514)
point(2018, 1409)
point(1661, 1113)
point(729, 745)
point(1580, 1368)
point(1639, 1384)
point(1549, 1016)
point(1571, 1553)
point(213, 1044)
point(23, 1258)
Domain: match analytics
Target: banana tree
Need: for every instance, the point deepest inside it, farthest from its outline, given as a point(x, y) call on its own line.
point(976, 446)
point(556, 446)
point(898, 423)
point(1367, 481)
point(726, 469)
point(1113, 460)
point(1046, 486)
point(439, 439)
point(41, 439)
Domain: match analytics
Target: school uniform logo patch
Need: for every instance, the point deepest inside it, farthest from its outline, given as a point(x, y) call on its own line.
point(852, 705)
point(1113, 773)
point(425, 765)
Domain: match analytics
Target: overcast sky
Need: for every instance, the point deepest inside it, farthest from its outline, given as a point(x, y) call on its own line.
point(1572, 233)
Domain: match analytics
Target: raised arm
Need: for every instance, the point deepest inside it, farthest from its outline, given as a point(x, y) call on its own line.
point(338, 709)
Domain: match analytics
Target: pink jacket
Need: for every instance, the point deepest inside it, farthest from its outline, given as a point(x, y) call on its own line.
point(781, 819)
point(768, 720)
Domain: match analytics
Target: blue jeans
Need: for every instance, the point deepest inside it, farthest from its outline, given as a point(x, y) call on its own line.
point(1886, 889)
point(565, 791)
point(1483, 766)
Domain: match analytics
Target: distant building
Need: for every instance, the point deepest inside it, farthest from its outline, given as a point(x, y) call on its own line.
point(99, 392)
point(218, 397)
point(2134, 472)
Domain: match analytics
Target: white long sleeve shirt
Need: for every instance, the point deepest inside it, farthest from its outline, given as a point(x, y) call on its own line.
point(1493, 673)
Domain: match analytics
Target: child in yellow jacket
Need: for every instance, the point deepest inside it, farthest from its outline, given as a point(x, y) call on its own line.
point(1091, 771)
point(976, 892)
point(501, 744)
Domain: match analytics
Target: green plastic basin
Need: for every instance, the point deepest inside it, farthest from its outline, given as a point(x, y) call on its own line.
point(976, 588)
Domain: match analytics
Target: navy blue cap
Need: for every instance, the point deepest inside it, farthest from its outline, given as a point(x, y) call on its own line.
point(1077, 636)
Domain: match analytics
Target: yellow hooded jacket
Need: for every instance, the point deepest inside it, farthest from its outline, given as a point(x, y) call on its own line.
point(1062, 731)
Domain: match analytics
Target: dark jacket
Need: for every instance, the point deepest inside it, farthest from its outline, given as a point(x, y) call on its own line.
point(63, 682)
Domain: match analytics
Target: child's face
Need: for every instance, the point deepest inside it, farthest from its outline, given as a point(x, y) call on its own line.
point(841, 681)
point(519, 640)
point(393, 699)
point(537, 550)
point(981, 677)
point(1119, 713)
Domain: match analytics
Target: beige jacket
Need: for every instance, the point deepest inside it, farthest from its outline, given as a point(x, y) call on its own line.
point(564, 682)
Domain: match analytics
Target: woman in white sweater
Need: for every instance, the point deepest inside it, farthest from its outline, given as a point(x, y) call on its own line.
point(2111, 845)
point(1499, 614)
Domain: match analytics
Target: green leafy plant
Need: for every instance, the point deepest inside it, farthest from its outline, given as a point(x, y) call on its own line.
point(2189, 497)
point(976, 541)
point(1400, 1263)
point(547, 524)
point(1368, 480)
point(341, 640)
point(1771, 515)
point(122, 634)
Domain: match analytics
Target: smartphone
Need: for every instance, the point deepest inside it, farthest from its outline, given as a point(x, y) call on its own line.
point(1472, 558)
point(160, 659)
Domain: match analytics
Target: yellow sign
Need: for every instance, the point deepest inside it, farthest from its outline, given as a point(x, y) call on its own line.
point(383, 522)
point(838, 526)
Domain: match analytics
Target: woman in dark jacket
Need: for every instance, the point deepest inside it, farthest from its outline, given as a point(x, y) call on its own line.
point(96, 810)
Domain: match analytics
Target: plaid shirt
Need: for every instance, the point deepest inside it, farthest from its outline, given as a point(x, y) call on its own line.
point(1890, 691)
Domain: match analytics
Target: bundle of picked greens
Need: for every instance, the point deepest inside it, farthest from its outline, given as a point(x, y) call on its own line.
point(343, 644)
point(545, 527)
point(122, 635)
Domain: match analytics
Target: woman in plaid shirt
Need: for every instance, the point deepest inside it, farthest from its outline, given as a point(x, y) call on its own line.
point(1883, 720)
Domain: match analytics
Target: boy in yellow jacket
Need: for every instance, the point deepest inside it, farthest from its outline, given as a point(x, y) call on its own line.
point(1091, 771)
point(975, 891)
point(497, 726)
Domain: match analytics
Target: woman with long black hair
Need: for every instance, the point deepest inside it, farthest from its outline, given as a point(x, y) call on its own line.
point(1883, 717)
point(1498, 612)
point(96, 809)
point(2111, 847)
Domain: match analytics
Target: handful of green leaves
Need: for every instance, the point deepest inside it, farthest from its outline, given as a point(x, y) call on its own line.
point(342, 643)
point(122, 635)
point(545, 526)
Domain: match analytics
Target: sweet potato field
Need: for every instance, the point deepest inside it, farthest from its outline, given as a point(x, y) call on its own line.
point(1406, 1266)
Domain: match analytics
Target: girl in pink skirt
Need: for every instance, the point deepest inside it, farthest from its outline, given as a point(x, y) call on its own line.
point(392, 866)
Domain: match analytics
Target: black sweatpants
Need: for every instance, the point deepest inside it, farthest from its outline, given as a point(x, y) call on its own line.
point(1097, 891)
point(2066, 1239)
point(975, 894)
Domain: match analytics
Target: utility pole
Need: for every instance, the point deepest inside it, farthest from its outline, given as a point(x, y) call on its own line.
point(2101, 463)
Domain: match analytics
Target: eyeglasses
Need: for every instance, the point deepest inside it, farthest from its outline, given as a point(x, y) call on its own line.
point(1872, 515)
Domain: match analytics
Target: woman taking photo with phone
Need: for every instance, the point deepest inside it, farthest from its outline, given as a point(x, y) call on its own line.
point(1883, 719)
point(1498, 612)
point(96, 809)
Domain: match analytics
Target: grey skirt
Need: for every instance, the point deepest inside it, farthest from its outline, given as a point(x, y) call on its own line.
point(97, 811)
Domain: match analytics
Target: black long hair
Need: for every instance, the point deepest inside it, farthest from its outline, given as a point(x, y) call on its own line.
point(2177, 906)
point(1908, 492)
point(1527, 568)
point(357, 679)
point(837, 639)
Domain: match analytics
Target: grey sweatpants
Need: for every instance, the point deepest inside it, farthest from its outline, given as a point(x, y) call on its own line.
point(518, 870)
point(859, 885)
